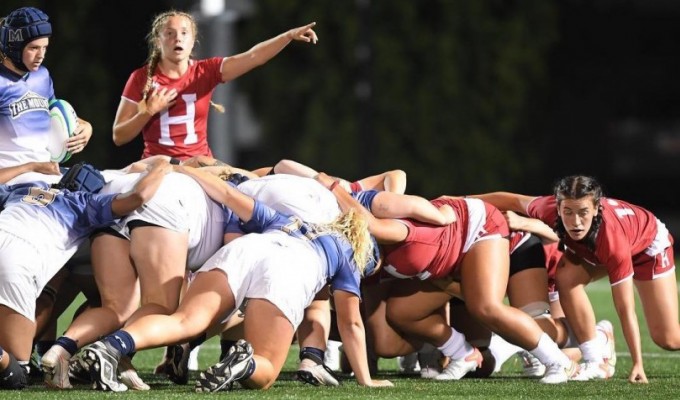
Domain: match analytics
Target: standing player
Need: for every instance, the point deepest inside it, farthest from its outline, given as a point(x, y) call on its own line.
point(167, 100)
point(26, 92)
point(607, 237)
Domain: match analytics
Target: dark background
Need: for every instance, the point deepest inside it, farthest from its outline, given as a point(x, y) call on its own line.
point(466, 96)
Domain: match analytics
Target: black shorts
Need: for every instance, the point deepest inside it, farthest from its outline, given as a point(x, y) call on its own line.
point(529, 254)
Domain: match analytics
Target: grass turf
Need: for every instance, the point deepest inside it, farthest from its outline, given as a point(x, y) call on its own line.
point(662, 368)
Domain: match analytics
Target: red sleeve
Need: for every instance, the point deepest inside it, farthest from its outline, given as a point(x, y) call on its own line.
point(543, 208)
point(135, 85)
point(212, 70)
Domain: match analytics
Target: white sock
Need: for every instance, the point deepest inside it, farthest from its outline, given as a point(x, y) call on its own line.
point(193, 359)
point(548, 353)
point(332, 355)
point(592, 350)
point(456, 347)
point(501, 350)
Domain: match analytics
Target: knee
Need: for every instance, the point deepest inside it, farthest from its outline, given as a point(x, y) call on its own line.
point(487, 312)
point(666, 341)
point(122, 309)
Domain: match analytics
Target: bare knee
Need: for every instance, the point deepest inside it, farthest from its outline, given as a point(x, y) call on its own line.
point(486, 312)
point(666, 341)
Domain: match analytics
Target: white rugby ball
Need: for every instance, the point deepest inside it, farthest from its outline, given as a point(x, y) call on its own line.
point(64, 121)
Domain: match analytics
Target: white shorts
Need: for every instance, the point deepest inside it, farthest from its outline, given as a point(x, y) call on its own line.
point(19, 283)
point(273, 266)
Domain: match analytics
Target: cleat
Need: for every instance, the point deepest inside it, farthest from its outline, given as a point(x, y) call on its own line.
point(177, 366)
point(232, 368)
point(558, 373)
point(459, 368)
point(531, 366)
point(592, 371)
point(316, 374)
point(35, 372)
point(610, 354)
point(77, 370)
point(55, 366)
point(408, 364)
point(128, 375)
point(429, 372)
point(429, 361)
point(102, 363)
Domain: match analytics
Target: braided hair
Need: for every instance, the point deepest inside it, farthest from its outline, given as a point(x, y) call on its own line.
point(576, 187)
point(154, 56)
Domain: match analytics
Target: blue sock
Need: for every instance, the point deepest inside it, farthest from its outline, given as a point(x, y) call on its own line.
point(121, 341)
point(312, 353)
point(249, 371)
point(68, 344)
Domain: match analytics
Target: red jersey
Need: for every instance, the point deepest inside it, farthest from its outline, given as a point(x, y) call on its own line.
point(432, 252)
point(626, 231)
point(181, 130)
point(552, 258)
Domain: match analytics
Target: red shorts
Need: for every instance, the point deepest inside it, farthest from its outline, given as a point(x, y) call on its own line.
point(647, 267)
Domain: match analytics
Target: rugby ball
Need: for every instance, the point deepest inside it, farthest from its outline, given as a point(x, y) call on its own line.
point(64, 120)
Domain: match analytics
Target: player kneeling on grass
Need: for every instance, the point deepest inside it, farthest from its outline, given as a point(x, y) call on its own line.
point(278, 268)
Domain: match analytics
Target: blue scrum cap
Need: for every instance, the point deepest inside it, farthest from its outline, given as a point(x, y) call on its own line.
point(19, 28)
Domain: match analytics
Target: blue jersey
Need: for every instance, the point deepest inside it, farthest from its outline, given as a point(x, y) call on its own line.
point(51, 218)
point(335, 252)
point(24, 116)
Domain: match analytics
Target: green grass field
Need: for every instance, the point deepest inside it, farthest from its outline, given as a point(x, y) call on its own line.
point(662, 368)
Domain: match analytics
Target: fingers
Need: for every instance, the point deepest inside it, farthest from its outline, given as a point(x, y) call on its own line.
point(306, 34)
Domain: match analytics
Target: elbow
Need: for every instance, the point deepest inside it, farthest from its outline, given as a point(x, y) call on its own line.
point(117, 140)
point(140, 197)
point(398, 174)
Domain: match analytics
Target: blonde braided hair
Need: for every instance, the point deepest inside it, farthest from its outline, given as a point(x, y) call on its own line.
point(155, 52)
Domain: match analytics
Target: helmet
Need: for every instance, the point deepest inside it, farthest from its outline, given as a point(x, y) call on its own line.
point(19, 28)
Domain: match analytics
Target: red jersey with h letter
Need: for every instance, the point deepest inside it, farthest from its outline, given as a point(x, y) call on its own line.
point(181, 130)
point(631, 241)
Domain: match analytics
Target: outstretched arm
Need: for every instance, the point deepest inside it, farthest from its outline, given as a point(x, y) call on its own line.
point(386, 231)
point(241, 204)
point(624, 302)
point(143, 191)
point(391, 181)
point(506, 201)
point(47, 168)
point(235, 66)
point(532, 225)
point(353, 335)
point(393, 205)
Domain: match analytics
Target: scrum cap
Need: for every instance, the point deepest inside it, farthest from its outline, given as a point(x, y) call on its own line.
point(19, 28)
